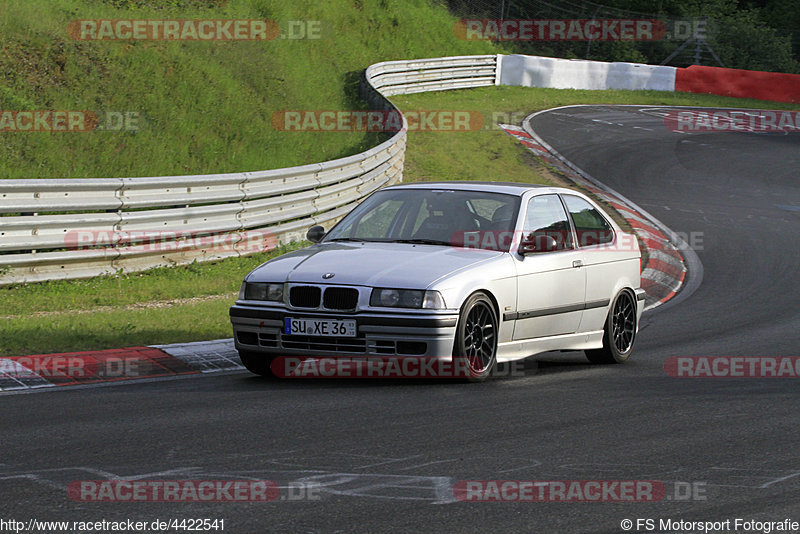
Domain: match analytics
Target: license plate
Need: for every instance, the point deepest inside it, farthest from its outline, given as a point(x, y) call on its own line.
point(319, 327)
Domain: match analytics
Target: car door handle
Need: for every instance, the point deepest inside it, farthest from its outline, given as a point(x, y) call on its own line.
point(577, 263)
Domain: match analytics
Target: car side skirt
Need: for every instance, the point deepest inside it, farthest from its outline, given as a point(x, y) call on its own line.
point(514, 350)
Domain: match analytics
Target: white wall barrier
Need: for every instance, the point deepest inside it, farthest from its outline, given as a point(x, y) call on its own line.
point(535, 71)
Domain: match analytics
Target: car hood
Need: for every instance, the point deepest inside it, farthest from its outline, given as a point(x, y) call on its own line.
point(371, 264)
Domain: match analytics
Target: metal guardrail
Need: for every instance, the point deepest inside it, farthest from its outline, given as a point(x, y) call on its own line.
point(81, 228)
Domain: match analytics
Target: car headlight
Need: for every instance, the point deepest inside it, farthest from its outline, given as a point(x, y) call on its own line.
point(261, 291)
point(406, 298)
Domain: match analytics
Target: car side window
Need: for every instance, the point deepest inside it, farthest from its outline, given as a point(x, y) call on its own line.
point(545, 216)
point(590, 225)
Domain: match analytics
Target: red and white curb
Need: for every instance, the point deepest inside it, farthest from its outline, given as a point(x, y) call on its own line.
point(42, 371)
point(665, 270)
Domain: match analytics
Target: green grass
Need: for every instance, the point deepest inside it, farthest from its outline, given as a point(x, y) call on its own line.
point(161, 305)
point(204, 107)
point(115, 328)
point(161, 284)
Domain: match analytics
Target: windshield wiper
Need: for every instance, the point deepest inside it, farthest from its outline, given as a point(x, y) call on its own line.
point(423, 242)
point(356, 239)
point(409, 241)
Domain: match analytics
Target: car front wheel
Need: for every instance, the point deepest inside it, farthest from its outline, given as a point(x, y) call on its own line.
point(619, 332)
point(476, 337)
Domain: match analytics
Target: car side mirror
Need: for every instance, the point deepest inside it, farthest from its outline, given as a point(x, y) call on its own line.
point(537, 243)
point(315, 234)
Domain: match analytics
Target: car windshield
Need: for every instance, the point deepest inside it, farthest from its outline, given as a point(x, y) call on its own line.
point(472, 219)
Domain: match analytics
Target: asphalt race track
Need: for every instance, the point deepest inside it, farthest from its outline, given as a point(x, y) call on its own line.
point(383, 456)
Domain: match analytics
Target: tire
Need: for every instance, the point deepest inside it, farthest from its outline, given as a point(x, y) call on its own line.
point(476, 337)
point(619, 333)
point(257, 362)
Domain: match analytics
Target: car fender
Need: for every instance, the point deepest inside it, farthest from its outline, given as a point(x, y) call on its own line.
point(501, 286)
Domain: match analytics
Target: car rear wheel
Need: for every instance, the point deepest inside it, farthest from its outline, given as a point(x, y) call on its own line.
point(256, 362)
point(619, 333)
point(476, 337)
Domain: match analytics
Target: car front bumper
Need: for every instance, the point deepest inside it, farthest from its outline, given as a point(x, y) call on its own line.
point(261, 329)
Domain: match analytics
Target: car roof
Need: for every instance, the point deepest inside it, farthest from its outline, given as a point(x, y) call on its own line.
point(512, 188)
